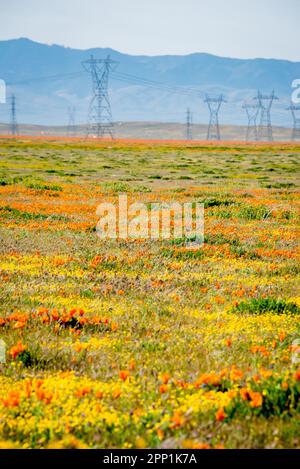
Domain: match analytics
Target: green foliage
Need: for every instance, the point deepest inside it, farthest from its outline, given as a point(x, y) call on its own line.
point(267, 305)
point(217, 202)
point(278, 398)
point(8, 211)
point(43, 187)
point(26, 358)
point(116, 187)
point(250, 212)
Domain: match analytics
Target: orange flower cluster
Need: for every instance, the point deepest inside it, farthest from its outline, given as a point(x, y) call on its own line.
point(96, 260)
point(255, 398)
point(177, 420)
point(260, 349)
point(12, 399)
point(16, 350)
point(211, 378)
point(215, 379)
point(17, 318)
point(45, 396)
point(75, 318)
point(83, 391)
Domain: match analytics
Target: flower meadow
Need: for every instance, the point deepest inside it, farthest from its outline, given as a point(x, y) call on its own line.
point(149, 343)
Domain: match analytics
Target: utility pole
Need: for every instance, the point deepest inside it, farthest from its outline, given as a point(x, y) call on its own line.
point(14, 130)
point(296, 120)
point(214, 104)
point(71, 123)
point(252, 111)
point(189, 121)
point(265, 131)
point(100, 123)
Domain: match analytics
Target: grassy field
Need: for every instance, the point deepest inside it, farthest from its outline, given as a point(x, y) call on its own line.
point(136, 344)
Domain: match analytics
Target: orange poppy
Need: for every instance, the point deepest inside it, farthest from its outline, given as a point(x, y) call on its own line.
point(220, 415)
point(163, 388)
point(16, 350)
point(83, 391)
point(12, 399)
point(256, 399)
point(124, 374)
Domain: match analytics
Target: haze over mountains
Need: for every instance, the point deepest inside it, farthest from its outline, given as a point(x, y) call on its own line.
point(47, 79)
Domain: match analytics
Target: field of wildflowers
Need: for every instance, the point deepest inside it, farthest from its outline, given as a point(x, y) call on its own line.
point(139, 343)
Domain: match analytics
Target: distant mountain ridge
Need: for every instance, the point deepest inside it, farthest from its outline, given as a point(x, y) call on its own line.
point(47, 79)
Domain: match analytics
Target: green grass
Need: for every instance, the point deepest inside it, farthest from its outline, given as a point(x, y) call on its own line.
point(267, 305)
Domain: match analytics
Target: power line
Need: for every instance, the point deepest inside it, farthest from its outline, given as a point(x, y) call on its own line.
point(296, 121)
point(100, 121)
point(189, 117)
point(44, 78)
point(252, 111)
point(13, 118)
point(124, 77)
point(71, 123)
point(265, 131)
point(214, 104)
point(119, 76)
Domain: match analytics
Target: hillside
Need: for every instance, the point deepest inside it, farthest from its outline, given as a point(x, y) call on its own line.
point(47, 79)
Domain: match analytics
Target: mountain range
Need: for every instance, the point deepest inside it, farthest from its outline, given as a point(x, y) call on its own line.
point(48, 79)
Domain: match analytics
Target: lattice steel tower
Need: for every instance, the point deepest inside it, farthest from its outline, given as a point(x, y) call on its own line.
point(265, 131)
point(100, 123)
point(71, 130)
point(189, 121)
point(295, 110)
point(252, 111)
point(14, 129)
point(214, 104)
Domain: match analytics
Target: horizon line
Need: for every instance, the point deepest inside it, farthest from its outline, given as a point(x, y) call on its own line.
point(53, 44)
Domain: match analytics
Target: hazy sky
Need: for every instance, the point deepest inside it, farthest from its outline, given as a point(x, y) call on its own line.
point(235, 28)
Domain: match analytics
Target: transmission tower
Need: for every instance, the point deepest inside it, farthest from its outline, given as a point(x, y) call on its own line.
point(100, 122)
point(71, 123)
point(189, 121)
point(252, 111)
point(214, 104)
point(14, 130)
point(265, 131)
point(296, 119)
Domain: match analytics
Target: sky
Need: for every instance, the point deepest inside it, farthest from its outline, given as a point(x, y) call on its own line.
point(231, 28)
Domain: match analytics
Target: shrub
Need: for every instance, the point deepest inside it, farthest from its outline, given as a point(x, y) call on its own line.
point(267, 305)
